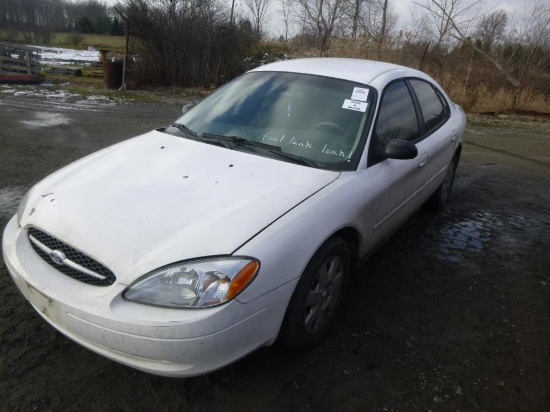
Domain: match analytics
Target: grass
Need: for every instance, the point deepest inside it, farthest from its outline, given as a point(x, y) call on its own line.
point(74, 40)
point(91, 84)
point(537, 124)
point(97, 41)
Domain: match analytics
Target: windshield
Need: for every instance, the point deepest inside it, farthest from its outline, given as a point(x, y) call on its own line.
point(306, 116)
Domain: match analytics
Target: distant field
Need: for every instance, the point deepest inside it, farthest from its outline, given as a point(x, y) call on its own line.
point(74, 40)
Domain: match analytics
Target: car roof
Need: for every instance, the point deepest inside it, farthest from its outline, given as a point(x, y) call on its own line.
point(361, 71)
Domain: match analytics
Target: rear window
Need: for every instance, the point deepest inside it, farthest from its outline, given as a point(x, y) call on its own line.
point(433, 111)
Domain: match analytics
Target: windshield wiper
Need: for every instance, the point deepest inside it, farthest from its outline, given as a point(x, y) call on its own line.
point(230, 142)
point(274, 150)
point(184, 129)
point(207, 139)
point(241, 141)
point(294, 158)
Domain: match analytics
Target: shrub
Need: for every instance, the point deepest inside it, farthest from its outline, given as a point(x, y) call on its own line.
point(74, 38)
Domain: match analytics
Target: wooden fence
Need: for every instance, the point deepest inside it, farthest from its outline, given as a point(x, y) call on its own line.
point(17, 60)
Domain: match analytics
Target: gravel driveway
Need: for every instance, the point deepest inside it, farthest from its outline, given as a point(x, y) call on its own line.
point(453, 313)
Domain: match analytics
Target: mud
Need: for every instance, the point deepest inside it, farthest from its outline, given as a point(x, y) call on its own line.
point(453, 313)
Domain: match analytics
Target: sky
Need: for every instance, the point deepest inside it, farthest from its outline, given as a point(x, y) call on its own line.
point(403, 8)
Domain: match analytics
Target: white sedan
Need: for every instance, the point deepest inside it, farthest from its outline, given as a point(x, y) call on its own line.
point(182, 250)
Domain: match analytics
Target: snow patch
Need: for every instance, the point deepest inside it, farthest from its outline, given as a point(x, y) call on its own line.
point(49, 94)
point(99, 98)
point(61, 56)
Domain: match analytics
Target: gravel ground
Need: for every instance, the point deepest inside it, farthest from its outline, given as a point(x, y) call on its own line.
point(453, 313)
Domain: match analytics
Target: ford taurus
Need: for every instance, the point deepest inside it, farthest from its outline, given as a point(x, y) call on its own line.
point(182, 250)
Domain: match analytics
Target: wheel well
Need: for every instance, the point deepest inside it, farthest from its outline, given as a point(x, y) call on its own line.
point(351, 237)
point(458, 151)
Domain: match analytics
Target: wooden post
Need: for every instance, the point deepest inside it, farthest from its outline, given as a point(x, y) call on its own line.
point(123, 87)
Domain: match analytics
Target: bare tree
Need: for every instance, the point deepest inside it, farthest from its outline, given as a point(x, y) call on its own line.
point(258, 9)
point(321, 16)
point(377, 21)
point(445, 15)
point(491, 28)
point(535, 31)
point(356, 9)
point(384, 22)
point(232, 12)
point(421, 27)
point(286, 13)
point(534, 34)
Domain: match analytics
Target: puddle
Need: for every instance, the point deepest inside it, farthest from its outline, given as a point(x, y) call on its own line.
point(45, 119)
point(9, 199)
point(469, 234)
point(456, 236)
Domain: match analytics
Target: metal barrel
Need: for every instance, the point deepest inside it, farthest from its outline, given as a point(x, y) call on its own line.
point(112, 74)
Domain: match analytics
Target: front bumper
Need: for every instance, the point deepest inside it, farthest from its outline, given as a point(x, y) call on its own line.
point(168, 342)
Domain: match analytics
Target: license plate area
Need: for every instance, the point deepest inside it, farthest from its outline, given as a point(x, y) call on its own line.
point(43, 304)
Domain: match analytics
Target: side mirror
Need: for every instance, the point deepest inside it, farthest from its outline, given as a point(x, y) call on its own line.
point(188, 106)
point(399, 149)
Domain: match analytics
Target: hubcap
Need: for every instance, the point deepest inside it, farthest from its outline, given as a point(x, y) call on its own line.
point(323, 294)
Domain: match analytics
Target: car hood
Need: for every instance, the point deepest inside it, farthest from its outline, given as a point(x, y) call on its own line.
point(158, 199)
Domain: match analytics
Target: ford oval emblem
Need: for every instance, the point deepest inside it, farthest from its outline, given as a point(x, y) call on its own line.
point(58, 257)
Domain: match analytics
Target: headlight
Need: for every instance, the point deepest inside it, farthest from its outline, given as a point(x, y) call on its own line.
point(197, 283)
point(23, 206)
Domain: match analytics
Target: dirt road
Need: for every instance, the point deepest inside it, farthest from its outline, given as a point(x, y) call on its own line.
point(453, 313)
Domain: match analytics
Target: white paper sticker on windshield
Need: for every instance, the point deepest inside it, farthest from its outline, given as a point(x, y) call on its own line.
point(360, 94)
point(355, 105)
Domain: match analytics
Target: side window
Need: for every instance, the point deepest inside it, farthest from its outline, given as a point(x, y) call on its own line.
point(397, 117)
point(433, 110)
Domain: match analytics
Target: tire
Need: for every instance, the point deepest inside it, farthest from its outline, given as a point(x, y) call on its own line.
point(439, 198)
point(318, 297)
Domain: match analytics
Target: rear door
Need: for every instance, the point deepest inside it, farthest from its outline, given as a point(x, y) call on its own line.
point(437, 140)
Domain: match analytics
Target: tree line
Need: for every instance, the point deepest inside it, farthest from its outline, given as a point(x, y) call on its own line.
point(36, 20)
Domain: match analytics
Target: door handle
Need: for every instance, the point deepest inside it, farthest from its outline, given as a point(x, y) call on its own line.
point(453, 136)
point(423, 160)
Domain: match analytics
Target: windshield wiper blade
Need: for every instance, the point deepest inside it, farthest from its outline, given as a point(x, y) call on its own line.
point(194, 136)
point(275, 150)
point(184, 129)
point(294, 158)
point(241, 141)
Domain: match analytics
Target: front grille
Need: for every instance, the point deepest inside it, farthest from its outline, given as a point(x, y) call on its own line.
point(74, 263)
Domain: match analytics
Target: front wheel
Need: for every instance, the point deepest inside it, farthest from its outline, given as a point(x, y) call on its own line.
point(318, 297)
